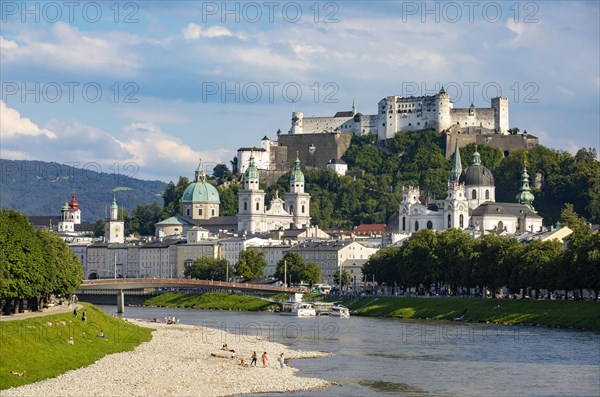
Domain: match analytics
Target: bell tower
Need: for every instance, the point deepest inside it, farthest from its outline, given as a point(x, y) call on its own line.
point(251, 204)
point(297, 202)
point(115, 229)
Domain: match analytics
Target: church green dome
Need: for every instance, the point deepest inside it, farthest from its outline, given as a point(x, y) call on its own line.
point(201, 192)
point(251, 171)
point(525, 196)
point(297, 175)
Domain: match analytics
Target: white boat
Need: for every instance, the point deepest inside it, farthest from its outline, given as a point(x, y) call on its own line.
point(298, 309)
point(339, 311)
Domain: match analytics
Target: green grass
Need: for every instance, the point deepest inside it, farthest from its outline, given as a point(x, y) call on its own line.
point(211, 300)
point(40, 345)
point(563, 314)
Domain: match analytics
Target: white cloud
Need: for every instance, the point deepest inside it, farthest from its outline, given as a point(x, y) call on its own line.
point(5, 43)
point(65, 47)
point(193, 32)
point(13, 125)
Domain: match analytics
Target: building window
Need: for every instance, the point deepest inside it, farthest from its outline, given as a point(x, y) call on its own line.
point(257, 206)
point(199, 211)
point(461, 220)
point(212, 212)
point(291, 209)
point(245, 206)
point(303, 209)
point(487, 194)
point(416, 226)
point(187, 212)
point(474, 194)
point(403, 223)
point(449, 221)
point(429, 225)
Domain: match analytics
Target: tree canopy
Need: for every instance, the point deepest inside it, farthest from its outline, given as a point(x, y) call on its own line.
point(33, 264)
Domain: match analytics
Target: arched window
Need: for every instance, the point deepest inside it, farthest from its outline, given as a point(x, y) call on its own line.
point(416, 226)
point(429, 225)
point(245, 206)
point(257, 206)
point(403, 223)
point(487, 194)
point(187, 212)
point(303, 209)
point(461, 221)
point(474, 194)
point(212, 212)
point(500, 225)
point(449, 221)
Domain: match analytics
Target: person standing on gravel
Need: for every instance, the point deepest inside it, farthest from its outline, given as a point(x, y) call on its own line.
point(281, 361)
point(254, 357)
point(265, 360)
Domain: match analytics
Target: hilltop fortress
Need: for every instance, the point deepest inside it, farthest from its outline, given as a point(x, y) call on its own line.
point(321, 141)
point(400, 114)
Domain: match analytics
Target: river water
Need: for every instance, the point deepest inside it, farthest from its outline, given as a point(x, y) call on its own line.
point(391, 357)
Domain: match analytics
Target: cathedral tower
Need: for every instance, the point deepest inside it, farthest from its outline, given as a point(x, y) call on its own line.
point(297, 202)
point(456, 205)
point(251, 208)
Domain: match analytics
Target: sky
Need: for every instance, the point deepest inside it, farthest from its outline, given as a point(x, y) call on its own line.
point(146, 88)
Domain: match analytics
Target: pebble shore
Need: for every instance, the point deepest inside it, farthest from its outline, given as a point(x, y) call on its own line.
point(178, 362)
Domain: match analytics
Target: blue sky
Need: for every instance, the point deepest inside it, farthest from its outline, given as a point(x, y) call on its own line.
point(158, 84)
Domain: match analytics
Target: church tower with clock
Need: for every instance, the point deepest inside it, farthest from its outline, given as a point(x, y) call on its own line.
point(115, 229)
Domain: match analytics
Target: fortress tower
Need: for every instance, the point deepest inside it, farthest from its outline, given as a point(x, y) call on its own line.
point(500, 105)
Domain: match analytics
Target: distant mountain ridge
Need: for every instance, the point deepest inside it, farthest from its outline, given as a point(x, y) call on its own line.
point(41, 188)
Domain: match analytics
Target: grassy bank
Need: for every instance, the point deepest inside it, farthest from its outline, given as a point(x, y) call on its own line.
point(211, 300)
point(42, 346)
point(563, 314)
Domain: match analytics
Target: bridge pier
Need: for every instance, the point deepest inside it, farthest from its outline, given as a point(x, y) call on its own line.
point(120, 301)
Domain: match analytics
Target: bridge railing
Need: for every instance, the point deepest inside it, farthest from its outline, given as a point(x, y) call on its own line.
point(170, 282)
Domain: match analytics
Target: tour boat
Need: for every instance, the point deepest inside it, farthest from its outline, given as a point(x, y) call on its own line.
point(298, 309)
point(339, 311)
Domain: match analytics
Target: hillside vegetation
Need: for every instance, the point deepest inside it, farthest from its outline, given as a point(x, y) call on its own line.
point(41, 188)
point(382, 168)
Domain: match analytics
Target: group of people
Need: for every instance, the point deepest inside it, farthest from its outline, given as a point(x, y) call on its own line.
point(265, 360)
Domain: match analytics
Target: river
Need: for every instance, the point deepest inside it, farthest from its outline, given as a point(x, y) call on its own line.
point(375, 357)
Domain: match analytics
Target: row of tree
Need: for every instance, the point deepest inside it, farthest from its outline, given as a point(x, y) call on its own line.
point(34, 264)
point(453, 260)
point(251, 265)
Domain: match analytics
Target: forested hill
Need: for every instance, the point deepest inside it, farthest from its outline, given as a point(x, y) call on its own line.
point(378, 170)
point(41, 188)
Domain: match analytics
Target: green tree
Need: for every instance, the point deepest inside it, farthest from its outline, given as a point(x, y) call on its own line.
point(172, 196)
point(207, 268)
point(311, 273)
point(145, 217)
point(221, 172)
point(345, 279)
point(455, 259)
point(99, 228)
point(292, 265)
point(251, 263)
point(419, 259)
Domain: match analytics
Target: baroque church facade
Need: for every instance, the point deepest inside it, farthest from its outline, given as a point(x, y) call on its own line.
point(201, 202)
point(470, 204)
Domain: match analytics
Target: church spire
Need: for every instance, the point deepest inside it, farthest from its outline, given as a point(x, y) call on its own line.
point(476, 160)
point(456, 165)
point(200, 173)
point(525, 196)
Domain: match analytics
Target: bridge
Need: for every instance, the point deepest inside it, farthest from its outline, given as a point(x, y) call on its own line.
point(120, 284)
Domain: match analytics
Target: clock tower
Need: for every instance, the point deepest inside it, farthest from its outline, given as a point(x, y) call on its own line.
point(115, 229)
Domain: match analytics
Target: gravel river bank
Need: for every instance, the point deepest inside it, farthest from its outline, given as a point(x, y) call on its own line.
point(178, 362)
